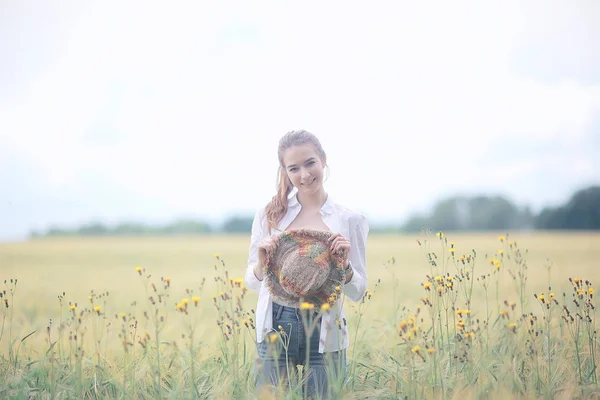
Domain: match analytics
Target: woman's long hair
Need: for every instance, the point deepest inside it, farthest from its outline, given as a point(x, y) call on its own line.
point(278, 206)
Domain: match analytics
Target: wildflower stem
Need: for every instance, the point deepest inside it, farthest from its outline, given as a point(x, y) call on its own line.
point(194, 389)
point(592, 345)
point(157, 383)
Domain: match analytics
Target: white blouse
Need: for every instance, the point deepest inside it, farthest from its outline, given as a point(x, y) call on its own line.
point(353, 226)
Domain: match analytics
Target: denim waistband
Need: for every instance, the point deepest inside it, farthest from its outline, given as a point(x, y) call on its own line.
point(278, 309)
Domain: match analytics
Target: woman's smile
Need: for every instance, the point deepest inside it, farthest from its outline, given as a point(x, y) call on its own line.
point(310, 183)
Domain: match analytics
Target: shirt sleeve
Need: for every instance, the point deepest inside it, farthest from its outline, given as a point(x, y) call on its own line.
point(357, 287)
point(255, 238)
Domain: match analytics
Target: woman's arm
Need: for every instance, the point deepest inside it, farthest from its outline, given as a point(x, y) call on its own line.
point(252, 279)
point(356, 287)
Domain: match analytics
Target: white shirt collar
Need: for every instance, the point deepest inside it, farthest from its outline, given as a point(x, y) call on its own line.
point(327, 207)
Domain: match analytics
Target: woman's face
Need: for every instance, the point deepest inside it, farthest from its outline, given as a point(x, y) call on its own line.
point(304, 167)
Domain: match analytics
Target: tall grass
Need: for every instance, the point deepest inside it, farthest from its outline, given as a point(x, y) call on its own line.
point(475, 328)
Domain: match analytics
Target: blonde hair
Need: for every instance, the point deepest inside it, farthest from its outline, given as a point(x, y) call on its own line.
point(278, 206)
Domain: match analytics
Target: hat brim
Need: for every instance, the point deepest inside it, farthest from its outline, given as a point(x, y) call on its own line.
point(274, 279)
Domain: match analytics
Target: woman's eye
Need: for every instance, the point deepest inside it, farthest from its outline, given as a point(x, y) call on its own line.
point(310, 163)
point(293, 169)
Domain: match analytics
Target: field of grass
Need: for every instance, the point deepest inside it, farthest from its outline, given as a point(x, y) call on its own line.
point(447, 316)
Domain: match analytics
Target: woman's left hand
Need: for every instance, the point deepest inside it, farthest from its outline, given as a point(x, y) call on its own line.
point(340, 245)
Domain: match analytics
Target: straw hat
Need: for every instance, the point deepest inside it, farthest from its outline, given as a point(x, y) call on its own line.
point(301, 268)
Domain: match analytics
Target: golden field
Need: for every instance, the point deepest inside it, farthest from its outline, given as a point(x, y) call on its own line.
point(47, 268)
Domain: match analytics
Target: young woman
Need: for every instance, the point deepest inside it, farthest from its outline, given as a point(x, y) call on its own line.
point(302, 203)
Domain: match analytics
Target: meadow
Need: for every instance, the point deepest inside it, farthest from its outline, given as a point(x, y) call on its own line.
point(479, 315)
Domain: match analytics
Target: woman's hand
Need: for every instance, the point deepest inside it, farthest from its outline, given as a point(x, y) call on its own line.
point(340, 245)
point(265, 247)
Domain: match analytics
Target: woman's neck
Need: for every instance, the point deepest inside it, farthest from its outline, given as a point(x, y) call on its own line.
point(313, 201)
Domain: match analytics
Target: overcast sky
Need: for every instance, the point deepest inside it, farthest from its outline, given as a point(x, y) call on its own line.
point(150, 111)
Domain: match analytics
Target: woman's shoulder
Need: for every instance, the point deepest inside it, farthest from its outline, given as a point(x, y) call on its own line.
point(353, 216)
point(260, 213)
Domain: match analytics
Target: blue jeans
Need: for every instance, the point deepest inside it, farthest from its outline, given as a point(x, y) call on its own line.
point(280, 357)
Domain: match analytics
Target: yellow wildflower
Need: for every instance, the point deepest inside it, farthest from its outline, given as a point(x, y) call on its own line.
point(591, 291)
point(97, 309)
point(452, 250)
point(307, 306)
point(71, 307)
point(438, 278)
point(427, 285)
point(416, 349)
point(185, 301)
point(138, 270)
point(337, 288)
point(123, 315)
point(402, 324)
point(431, 350)
point(217, 255)
point(272, 337)
point(196, 299)
point(180, 306)
point(325, 307)
point(500, 252)
point(502, 238)
point(495, 263)
point(439, 235)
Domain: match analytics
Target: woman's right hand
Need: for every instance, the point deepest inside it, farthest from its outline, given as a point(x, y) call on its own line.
point(264, 247)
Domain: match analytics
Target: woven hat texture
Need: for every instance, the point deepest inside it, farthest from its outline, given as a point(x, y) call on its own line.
point(301, 268)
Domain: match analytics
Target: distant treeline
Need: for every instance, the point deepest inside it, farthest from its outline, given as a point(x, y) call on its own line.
point(460, 213)
point(181, 227)
point(480, 213)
